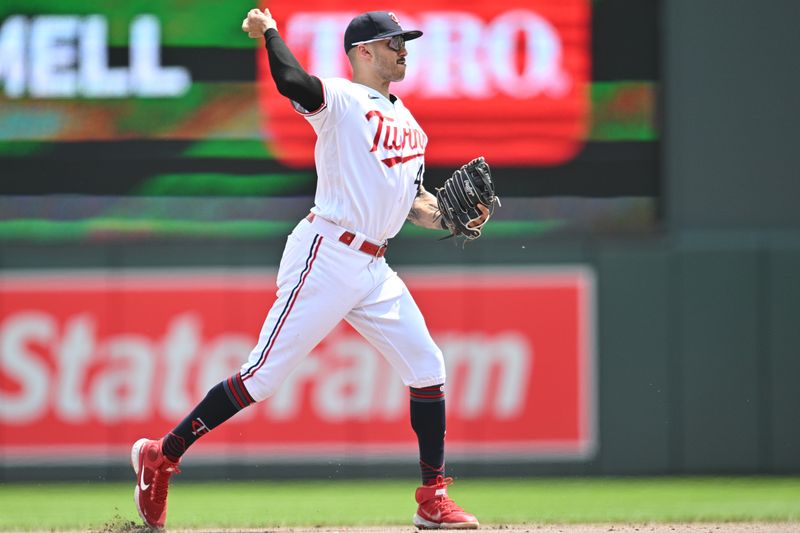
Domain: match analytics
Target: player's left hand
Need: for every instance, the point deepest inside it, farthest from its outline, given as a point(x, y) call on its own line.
point(256, 23)
point(467, 199)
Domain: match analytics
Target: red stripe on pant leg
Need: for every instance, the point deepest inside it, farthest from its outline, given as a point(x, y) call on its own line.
point(246, 373)
point(252, 372)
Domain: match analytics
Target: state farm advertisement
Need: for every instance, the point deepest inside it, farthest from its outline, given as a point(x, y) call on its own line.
point(507, 79)
point(90, 361)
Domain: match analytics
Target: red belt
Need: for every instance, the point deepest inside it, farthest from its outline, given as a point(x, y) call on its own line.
point(377, 250)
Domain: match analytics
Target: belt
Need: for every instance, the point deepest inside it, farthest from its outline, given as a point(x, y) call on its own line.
point(376, 250)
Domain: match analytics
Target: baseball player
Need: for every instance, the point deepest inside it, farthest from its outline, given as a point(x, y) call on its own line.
point(370, 161)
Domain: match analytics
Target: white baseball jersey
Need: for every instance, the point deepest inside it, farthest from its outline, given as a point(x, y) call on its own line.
point(370, 155)
point(370, 158)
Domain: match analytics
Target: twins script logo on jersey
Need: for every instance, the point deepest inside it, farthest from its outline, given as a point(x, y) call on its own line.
point(396, 139)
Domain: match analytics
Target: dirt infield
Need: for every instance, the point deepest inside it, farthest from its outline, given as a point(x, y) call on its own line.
point(706, 527)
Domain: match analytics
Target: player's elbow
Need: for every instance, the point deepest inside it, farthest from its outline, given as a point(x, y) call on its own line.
point(292, 83)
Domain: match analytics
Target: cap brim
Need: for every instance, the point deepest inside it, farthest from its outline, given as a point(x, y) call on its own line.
point(411, 35)
point(408, 35)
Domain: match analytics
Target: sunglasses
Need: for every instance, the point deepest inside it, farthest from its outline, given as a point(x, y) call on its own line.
point(396, 43)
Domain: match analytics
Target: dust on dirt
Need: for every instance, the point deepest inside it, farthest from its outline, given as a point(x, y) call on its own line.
point(117, 524)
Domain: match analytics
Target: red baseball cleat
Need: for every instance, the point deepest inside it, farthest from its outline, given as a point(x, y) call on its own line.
point(437, 511)
point(153, 471)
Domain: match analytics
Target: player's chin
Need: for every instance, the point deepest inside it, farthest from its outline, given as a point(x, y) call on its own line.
point(400, 72)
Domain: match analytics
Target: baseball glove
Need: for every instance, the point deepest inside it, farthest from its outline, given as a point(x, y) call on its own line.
point(458, 200)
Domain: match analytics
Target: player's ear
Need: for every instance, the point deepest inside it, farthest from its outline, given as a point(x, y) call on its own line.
point(363, 51)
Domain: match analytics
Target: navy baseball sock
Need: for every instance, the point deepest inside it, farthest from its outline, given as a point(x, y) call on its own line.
point(428, 421)
point(224, 400)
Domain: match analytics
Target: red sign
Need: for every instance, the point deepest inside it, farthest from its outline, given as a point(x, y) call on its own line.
point(92, 361)
point(507, 79)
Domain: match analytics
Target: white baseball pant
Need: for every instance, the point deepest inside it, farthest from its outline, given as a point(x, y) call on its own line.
point(322, 281)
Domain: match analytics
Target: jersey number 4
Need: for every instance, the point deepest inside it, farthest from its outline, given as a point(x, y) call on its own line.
point(418, 179)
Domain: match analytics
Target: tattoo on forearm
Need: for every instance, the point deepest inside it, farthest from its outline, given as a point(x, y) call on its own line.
point(425, 211)
point(436, 215)
point(437, 219)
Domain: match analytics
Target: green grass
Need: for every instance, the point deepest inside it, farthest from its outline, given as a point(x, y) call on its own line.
point(337, 503)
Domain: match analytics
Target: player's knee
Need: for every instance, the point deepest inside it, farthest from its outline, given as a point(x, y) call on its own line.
point(429, 372)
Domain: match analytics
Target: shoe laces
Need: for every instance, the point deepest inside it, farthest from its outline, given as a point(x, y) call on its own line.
point(446, 506)
point(161, 482)
point(443, 503)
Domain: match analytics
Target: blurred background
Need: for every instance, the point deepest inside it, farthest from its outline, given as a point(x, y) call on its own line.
point(637, 293)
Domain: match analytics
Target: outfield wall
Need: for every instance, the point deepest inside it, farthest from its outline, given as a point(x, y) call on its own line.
point(692, 356)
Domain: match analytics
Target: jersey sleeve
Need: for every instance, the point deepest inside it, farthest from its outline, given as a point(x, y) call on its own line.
point(336, 97)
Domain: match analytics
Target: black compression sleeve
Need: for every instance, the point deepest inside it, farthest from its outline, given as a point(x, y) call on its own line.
point(290, 78)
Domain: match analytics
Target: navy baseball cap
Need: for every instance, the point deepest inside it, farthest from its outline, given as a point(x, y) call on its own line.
point(375, 25)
